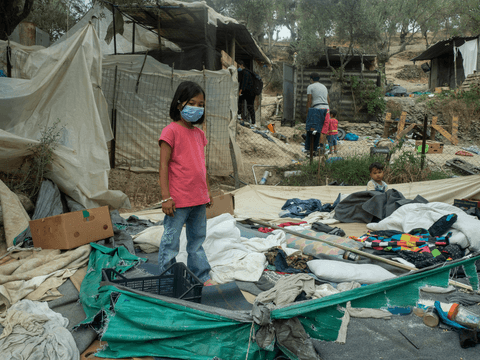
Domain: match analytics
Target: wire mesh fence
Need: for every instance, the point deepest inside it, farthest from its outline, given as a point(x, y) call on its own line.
point(139, 106)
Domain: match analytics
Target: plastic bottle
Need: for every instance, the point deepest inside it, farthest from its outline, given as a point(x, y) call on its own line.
point(264, 178)
point(292, 173)
point(463, 316)
point(430, 318)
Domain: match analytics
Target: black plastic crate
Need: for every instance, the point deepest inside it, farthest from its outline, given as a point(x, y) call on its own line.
point(176, 281)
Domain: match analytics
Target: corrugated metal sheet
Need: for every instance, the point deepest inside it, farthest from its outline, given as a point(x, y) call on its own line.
point(442, 47)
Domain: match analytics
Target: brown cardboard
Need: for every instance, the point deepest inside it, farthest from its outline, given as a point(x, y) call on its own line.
point(222, 203)
point(434, 147)
point(71, 230)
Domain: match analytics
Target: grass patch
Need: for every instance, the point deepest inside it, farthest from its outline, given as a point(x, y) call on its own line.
point(353, 170)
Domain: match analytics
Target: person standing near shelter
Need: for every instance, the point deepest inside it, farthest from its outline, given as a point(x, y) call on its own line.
point(317, 106)
point(245, 91)
point(184, 181)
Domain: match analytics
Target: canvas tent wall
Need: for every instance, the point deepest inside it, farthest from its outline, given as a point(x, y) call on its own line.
point(141, 89)
point(62, 83)
point(449, 67)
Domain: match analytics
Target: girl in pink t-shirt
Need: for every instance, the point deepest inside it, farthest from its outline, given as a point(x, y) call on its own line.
point(184, 181)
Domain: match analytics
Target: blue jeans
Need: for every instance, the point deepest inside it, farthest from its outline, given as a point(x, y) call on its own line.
point(195, 218)
point(332, 140)
point(316, 140)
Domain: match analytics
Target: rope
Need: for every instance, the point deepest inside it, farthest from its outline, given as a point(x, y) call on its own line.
point(250, 339)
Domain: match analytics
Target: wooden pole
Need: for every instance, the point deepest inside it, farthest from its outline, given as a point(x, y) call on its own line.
point(424, 140)
point(312, 137)
point(133, 38)
point(455, 63)
point(114, 32)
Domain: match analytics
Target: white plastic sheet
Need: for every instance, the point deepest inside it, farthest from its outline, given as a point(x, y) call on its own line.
point(62, 84)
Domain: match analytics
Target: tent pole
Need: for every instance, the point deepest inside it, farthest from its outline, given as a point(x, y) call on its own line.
point(114, 122)
point(455, 62)
point(358, 252)
point(114, 32)
point(133, 38)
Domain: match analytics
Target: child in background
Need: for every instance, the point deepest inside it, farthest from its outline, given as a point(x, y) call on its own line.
point(184, 182)
point(376, 174)
point(332, 135)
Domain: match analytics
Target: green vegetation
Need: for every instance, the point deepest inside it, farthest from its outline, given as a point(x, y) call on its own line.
point(28, 178)
point(368, 94)
point(353, 170)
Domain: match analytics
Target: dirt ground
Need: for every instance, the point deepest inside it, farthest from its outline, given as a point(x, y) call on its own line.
point(143, 189)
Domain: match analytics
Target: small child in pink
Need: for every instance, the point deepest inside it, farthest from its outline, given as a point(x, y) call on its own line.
point(332, 135)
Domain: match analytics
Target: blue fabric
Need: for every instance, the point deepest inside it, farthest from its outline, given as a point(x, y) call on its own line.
point(316, 140)
point(332, 140)
point(444, 317)
point(298, 209)
point(351, 137)
point(315, 119)
point(195, 219)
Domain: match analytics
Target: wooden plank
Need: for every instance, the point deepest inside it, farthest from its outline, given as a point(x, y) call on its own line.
point(401, 123)
point(386, 125)
point(455, 130)
point(444, 132)
point(433, 132)
point(405, 131)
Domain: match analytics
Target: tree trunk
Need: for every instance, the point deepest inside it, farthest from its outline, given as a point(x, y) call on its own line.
point(11, 16)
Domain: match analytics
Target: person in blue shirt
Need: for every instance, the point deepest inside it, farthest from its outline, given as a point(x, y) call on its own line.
point(376, 174)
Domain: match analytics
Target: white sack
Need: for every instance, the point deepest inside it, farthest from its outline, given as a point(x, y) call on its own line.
point(411, 216)
point(338, 271)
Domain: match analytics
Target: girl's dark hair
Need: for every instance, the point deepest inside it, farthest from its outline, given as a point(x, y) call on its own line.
point(333, 113)
point(185, 91)
point(375, 165)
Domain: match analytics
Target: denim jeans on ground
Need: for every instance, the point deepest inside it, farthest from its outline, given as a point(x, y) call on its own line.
point(195, 219)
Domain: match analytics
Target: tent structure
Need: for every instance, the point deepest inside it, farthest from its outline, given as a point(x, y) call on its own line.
point(60, 92)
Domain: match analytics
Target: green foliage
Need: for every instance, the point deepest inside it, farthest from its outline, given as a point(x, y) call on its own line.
point(28, 178)
point(368, 94)
point(353, 170)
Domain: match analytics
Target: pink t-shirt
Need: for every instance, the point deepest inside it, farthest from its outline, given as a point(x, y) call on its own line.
point(326, 124)
point(333, 129)
point(187, 174)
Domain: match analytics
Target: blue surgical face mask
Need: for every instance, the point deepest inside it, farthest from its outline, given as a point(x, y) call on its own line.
point(192, 113)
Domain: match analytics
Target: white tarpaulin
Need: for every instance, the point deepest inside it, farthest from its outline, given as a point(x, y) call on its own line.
point(62, 84)
point(265, 202)
point(469, 52)
point(101, 17)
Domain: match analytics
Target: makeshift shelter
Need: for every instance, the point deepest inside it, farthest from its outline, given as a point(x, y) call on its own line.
point(61, 84)
point(139, 88)
point(363, 66)
point(451, 61)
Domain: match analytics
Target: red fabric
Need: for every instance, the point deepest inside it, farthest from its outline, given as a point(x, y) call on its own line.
point(463, 153)
point(333, 130)
point(187, 174)
point(326, 124)
point(267, 230)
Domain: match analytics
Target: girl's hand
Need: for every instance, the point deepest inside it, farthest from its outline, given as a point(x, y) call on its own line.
point(168, 208)
point(210, 203)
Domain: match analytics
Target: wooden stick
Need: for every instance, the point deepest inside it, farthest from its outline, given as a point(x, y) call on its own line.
point(346, 248)
point(359, 252)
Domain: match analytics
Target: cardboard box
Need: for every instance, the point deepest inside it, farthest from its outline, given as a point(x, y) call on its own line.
point(434, 147)
point(71, 230)
point(222, 203)
point(466, 204)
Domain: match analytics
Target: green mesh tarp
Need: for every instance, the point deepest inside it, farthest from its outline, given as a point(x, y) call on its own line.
point(136, 324)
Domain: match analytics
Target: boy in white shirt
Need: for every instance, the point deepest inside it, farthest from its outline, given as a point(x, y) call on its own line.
point(376, 174)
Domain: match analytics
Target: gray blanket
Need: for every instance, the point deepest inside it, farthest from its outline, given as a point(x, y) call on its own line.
point(369, 206)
